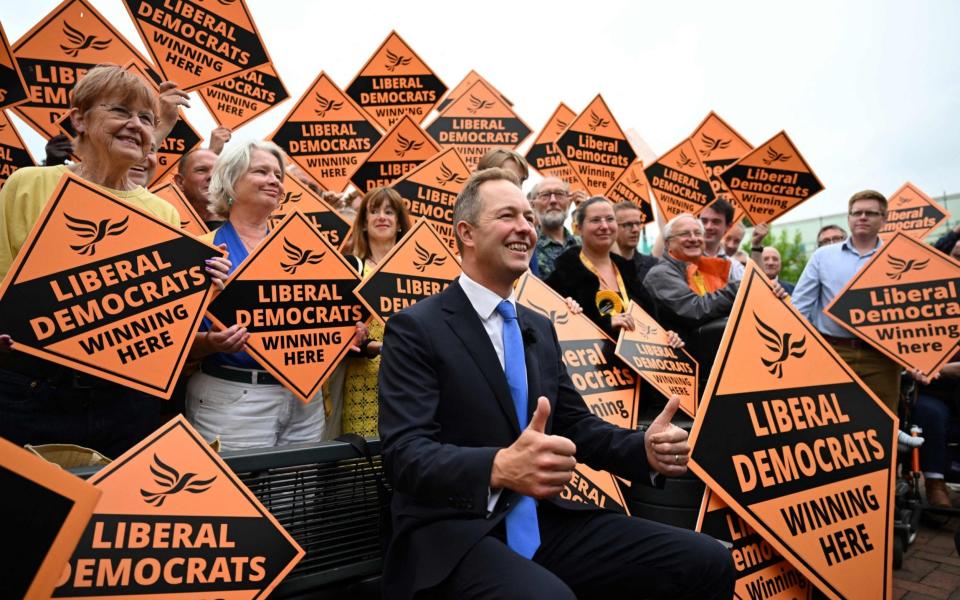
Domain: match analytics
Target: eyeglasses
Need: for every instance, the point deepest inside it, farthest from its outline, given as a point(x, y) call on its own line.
point(122, 113)
point(831, 240)
point(631, 224)
point(873, 214)
point(599, 220)
point(545, 195)
point(693, 233)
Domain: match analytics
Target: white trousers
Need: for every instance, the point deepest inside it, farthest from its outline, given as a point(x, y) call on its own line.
point(251, 416)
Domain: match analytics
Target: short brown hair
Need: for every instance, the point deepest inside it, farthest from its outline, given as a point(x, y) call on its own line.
point(498, 156)
point(868, 195)
point(375, 198)
point(467, 207)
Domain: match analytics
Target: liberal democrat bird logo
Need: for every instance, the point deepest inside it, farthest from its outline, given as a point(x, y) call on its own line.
point(325, 105)
point(555, 316)
point(685, 161)
point(172, 482)
point(710, 144)
point(291, 198)
point(596, 121)
point(396, 60)
point(448, 175)
point(902, 267)
point(478, 104)
point(646, 330)
point(406, 146)
point(562, 124)
point(427, 258)
point(781, 345)
point(299, 257)
point(903, 200)
point(81, 41)
point(774, 156)
point(2, 126)
point(94, 232)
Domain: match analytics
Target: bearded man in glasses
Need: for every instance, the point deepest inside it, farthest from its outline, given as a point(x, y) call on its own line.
point(551, 201)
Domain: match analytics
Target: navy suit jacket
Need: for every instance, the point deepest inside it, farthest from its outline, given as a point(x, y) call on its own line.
point(445, 411)
point(786, 285)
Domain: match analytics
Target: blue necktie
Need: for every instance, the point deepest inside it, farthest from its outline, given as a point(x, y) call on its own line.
point(523, 532)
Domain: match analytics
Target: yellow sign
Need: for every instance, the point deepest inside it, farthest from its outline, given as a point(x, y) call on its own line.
point(596, 148)
point(914, 213)
point(430, 191)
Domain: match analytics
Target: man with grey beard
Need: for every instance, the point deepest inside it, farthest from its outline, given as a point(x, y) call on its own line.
point(551, 201)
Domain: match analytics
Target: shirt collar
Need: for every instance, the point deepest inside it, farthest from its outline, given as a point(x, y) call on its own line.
point(848, 244)
point(483, 300)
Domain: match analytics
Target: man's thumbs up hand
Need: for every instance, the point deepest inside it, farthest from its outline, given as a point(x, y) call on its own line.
point(666, 444)
point(536, 464)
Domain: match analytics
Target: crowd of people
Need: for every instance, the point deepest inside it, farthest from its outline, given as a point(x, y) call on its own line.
point(455, 456)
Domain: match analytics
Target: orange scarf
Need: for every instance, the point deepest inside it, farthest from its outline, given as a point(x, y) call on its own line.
point(707, 274)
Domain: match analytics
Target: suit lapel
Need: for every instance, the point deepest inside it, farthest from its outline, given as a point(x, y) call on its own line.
point(466, 324)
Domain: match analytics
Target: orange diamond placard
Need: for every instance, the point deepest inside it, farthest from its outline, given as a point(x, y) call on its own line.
point(792, 440)
point(608, 386)
point(294, 294)
point(13, 89)
point(719, 146)
point(190, 221)
point(400, 151)
point(632, 186)
point(679, 181)
point(596, 148)
point(465, 84)
point(905, 302)
point(14, 154)
point(914, 213)
point(418, 266)
point(196, 44)
point(771, 180)
point(106, 288)
point(174, 521)
point(672, 371)
point(477, 122)
point(59, 50)
point(240, 99)
point(430, 191)
point(543, 154)
point(298, 197)
point(50, 505)
point(327, 134)
point(394, 83)
point(761, 571)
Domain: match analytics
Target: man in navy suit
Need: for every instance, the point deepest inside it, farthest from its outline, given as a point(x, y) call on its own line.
point(482, 427)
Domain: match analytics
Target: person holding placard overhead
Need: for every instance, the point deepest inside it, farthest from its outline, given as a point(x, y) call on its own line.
point(482, 427)
point(381, 221)
point(115, 115)
point(232, 397)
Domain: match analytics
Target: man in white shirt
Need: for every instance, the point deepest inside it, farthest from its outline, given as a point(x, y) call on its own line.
point(482, 427)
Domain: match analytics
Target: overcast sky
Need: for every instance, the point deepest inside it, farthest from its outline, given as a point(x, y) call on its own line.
point(869, 91)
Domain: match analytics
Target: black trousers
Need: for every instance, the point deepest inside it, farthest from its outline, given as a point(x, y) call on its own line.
point(593, 554)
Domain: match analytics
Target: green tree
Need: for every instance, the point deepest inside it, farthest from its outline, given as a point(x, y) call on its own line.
point(792, 256)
